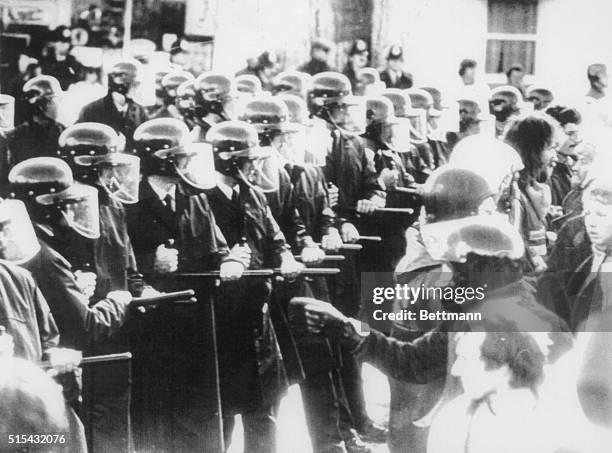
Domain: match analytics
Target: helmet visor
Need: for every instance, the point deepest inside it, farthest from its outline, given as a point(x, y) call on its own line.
point(397, 136)
point(292, 145)
point(418, 127)
point(318, 144)
point(120, 176)
point(196, 166)
point(262, 173)
point(79, 206)
point(350, 116)
point(18, 242)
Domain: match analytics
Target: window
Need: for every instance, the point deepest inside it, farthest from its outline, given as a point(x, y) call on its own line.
point(512, 28)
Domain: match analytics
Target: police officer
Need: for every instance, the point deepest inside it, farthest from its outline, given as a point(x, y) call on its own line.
point(389, 137)
point(58, 62)
point(118, 109)
point(169, 84)
point(251, 369)
point(505, 102)
point(95, 153)
point(349, 167)
point(357, 59)
point(422, 99)
point(214, 97)
point(394, 76)
point(173, 228)
point(38, 135)
point(416, 160)
point(60, 209)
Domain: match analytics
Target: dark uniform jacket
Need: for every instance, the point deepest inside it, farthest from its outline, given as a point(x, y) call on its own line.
point(174, 374)
point(79, 324)
point(250, 364)
point(402, 82)
point(25, 314)
point(352, 171)
point(104, 111)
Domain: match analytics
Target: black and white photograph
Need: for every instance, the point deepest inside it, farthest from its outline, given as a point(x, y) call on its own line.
point(305, 226)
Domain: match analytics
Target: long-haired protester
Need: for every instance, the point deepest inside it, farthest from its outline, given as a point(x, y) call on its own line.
point(533, 137)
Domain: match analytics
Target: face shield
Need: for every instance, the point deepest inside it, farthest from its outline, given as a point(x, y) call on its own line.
point(350, 115)
point(318, 143)
point(18, 242)
point(195, 165)
point(119, 175)
point(262, 172)
point(78, 206)
point(292, 144)
point(418, 126)
point(397, 135)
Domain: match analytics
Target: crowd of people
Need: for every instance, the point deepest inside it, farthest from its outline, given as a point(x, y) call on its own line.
point(220, 235)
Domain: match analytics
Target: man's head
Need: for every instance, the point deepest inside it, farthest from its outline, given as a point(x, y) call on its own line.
point(597, 73)
point(597, 205)
point(42, 94)
point(358, 54)
point(467, 71)
point(515, 74)
point(61, 38)
point(533, 137)
point(540, 97)
point(395, 58)
point(489, 362)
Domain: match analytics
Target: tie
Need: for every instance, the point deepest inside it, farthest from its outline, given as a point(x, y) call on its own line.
point(169, 203)
point(235, 196)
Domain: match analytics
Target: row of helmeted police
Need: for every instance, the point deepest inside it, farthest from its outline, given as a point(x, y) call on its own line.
point(245, 198)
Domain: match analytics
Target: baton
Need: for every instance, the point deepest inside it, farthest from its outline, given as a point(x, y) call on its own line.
point(326, 258)
point(262, 272)
point(166, 297)
point(408, 190)
point(395, 210)
point(370, 238)
point(347, 246)
point(95, 359)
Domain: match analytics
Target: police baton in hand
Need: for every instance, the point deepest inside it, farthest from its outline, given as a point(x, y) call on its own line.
point(95, 359)
point(183, 297)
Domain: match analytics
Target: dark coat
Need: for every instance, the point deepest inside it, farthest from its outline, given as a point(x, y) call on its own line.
point(403, 82)
point(79, 324)
point(174, 373)
point(103, 111)
point(25, 314)
point(571, 248)
point(250, 364)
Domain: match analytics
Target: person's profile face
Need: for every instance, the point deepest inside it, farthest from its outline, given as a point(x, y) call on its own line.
point(598, 222)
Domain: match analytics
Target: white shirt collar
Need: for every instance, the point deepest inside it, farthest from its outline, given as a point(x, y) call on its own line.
point(161, 189)
point(226, 188)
